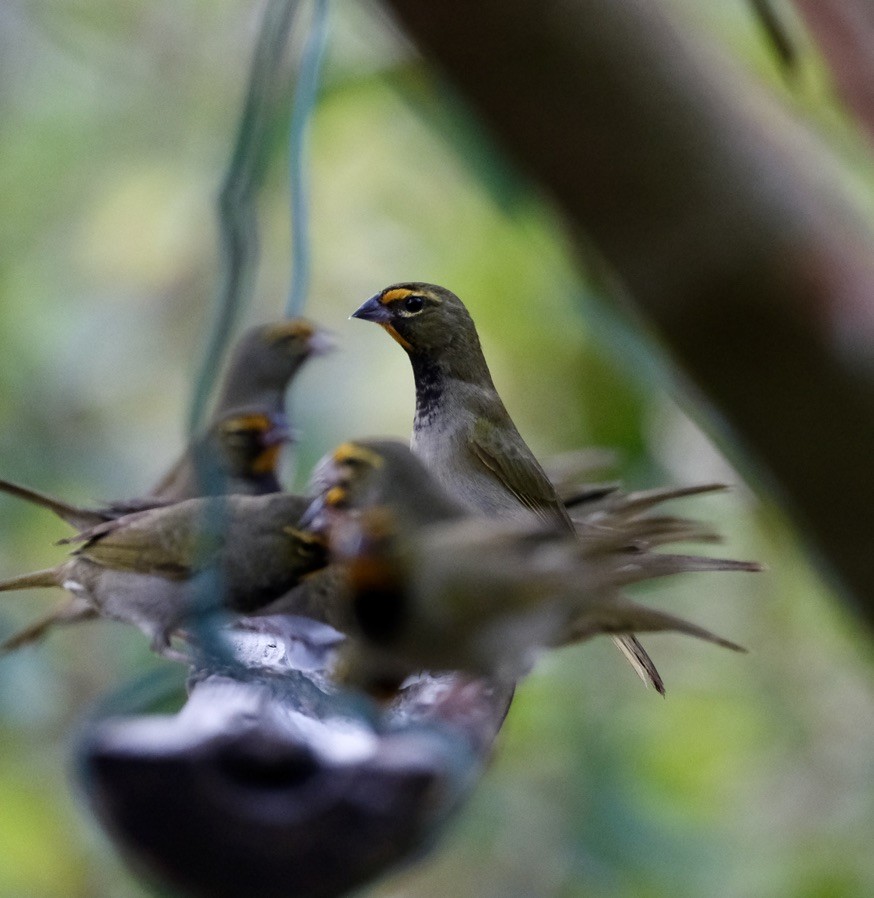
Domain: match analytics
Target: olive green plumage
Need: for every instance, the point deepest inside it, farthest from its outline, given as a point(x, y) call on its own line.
point(142, 568)
point(248, 424)
point(461, 429)
point(426, 584)
point(242, 439)
point(140, 555)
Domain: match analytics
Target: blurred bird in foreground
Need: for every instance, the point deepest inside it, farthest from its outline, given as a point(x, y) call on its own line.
point(143, 568)
point(355, 476)
point(461, 429)
point(426, 585)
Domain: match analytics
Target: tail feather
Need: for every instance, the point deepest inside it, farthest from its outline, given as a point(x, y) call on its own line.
point(639, 659)
point(646, 533)
point(48, 577)
point(625, 617)
point(72, 514)
point(69, 612)
point(648, 566)
point(588, 494)
point(642, 500)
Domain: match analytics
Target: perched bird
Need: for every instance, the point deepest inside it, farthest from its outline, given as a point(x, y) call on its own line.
point(243, 438)
point(488, 595)
point(245, 445)
point(143, 568)
point(355, 476)
point(461, 429)
point(420, 582)
point(251, 400)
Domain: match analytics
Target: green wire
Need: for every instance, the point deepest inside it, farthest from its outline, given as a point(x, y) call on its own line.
point(237, 199)
point(238, 235)
point(305, 94)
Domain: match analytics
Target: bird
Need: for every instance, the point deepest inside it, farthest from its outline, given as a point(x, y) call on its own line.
point(245, 446)
point(462, 430)
point(418, 581)
point(251, 399)
point(144, 568)
point(359, 474)
point(243, 438)
point(488, 595)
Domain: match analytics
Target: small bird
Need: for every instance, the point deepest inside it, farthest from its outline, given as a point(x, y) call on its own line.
point(243, 439)
point(488, 595)
point(355, 476)
point(245, 445)
point(398, 542)
point(251, 399)
point(143, 568)
point(461, 429)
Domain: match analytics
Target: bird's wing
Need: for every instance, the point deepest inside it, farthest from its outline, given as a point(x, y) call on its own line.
point(158, 541)
point(117, 508)
point(514, 465)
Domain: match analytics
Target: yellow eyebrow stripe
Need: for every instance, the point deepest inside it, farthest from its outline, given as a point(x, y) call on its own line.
point(296, 327)
point(394, 295)
point(353, 452)
point(247, 422)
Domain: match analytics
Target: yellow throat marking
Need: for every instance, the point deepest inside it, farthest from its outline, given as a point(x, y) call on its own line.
point(266, 461)
point(389, 329)
point(255, 421)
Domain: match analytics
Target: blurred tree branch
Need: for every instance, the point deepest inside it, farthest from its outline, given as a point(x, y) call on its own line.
point(717, 218)
point(844, 32)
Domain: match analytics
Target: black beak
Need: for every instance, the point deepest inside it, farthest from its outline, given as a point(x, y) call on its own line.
point(280, 432)
point(313, 519)
point(321, 342)
point(373, 310)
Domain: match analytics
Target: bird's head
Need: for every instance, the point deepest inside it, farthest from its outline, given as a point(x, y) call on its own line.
point(267, 356)
point(350, 468)
point(427, 320)
point(292, 341)
point(362, 473)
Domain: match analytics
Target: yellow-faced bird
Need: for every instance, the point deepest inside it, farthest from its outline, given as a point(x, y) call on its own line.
point(426, 589)
point(461, 429)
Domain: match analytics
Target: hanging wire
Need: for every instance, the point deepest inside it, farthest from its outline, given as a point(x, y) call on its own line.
point(237, 205)
point(238, 236)
point(304, 103)
point(237, 198)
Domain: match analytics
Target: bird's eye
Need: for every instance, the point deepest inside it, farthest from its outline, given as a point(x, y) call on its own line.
point(414, 304)
point(242, 435)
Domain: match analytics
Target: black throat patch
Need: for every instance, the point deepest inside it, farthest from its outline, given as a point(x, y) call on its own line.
point(430, 383)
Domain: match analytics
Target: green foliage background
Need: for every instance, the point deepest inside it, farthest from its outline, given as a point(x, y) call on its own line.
point(754, 777)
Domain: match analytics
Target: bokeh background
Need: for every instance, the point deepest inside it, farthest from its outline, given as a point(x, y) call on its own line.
point(755, 776)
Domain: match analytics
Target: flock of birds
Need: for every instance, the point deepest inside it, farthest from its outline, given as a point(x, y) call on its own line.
point(455, 553)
